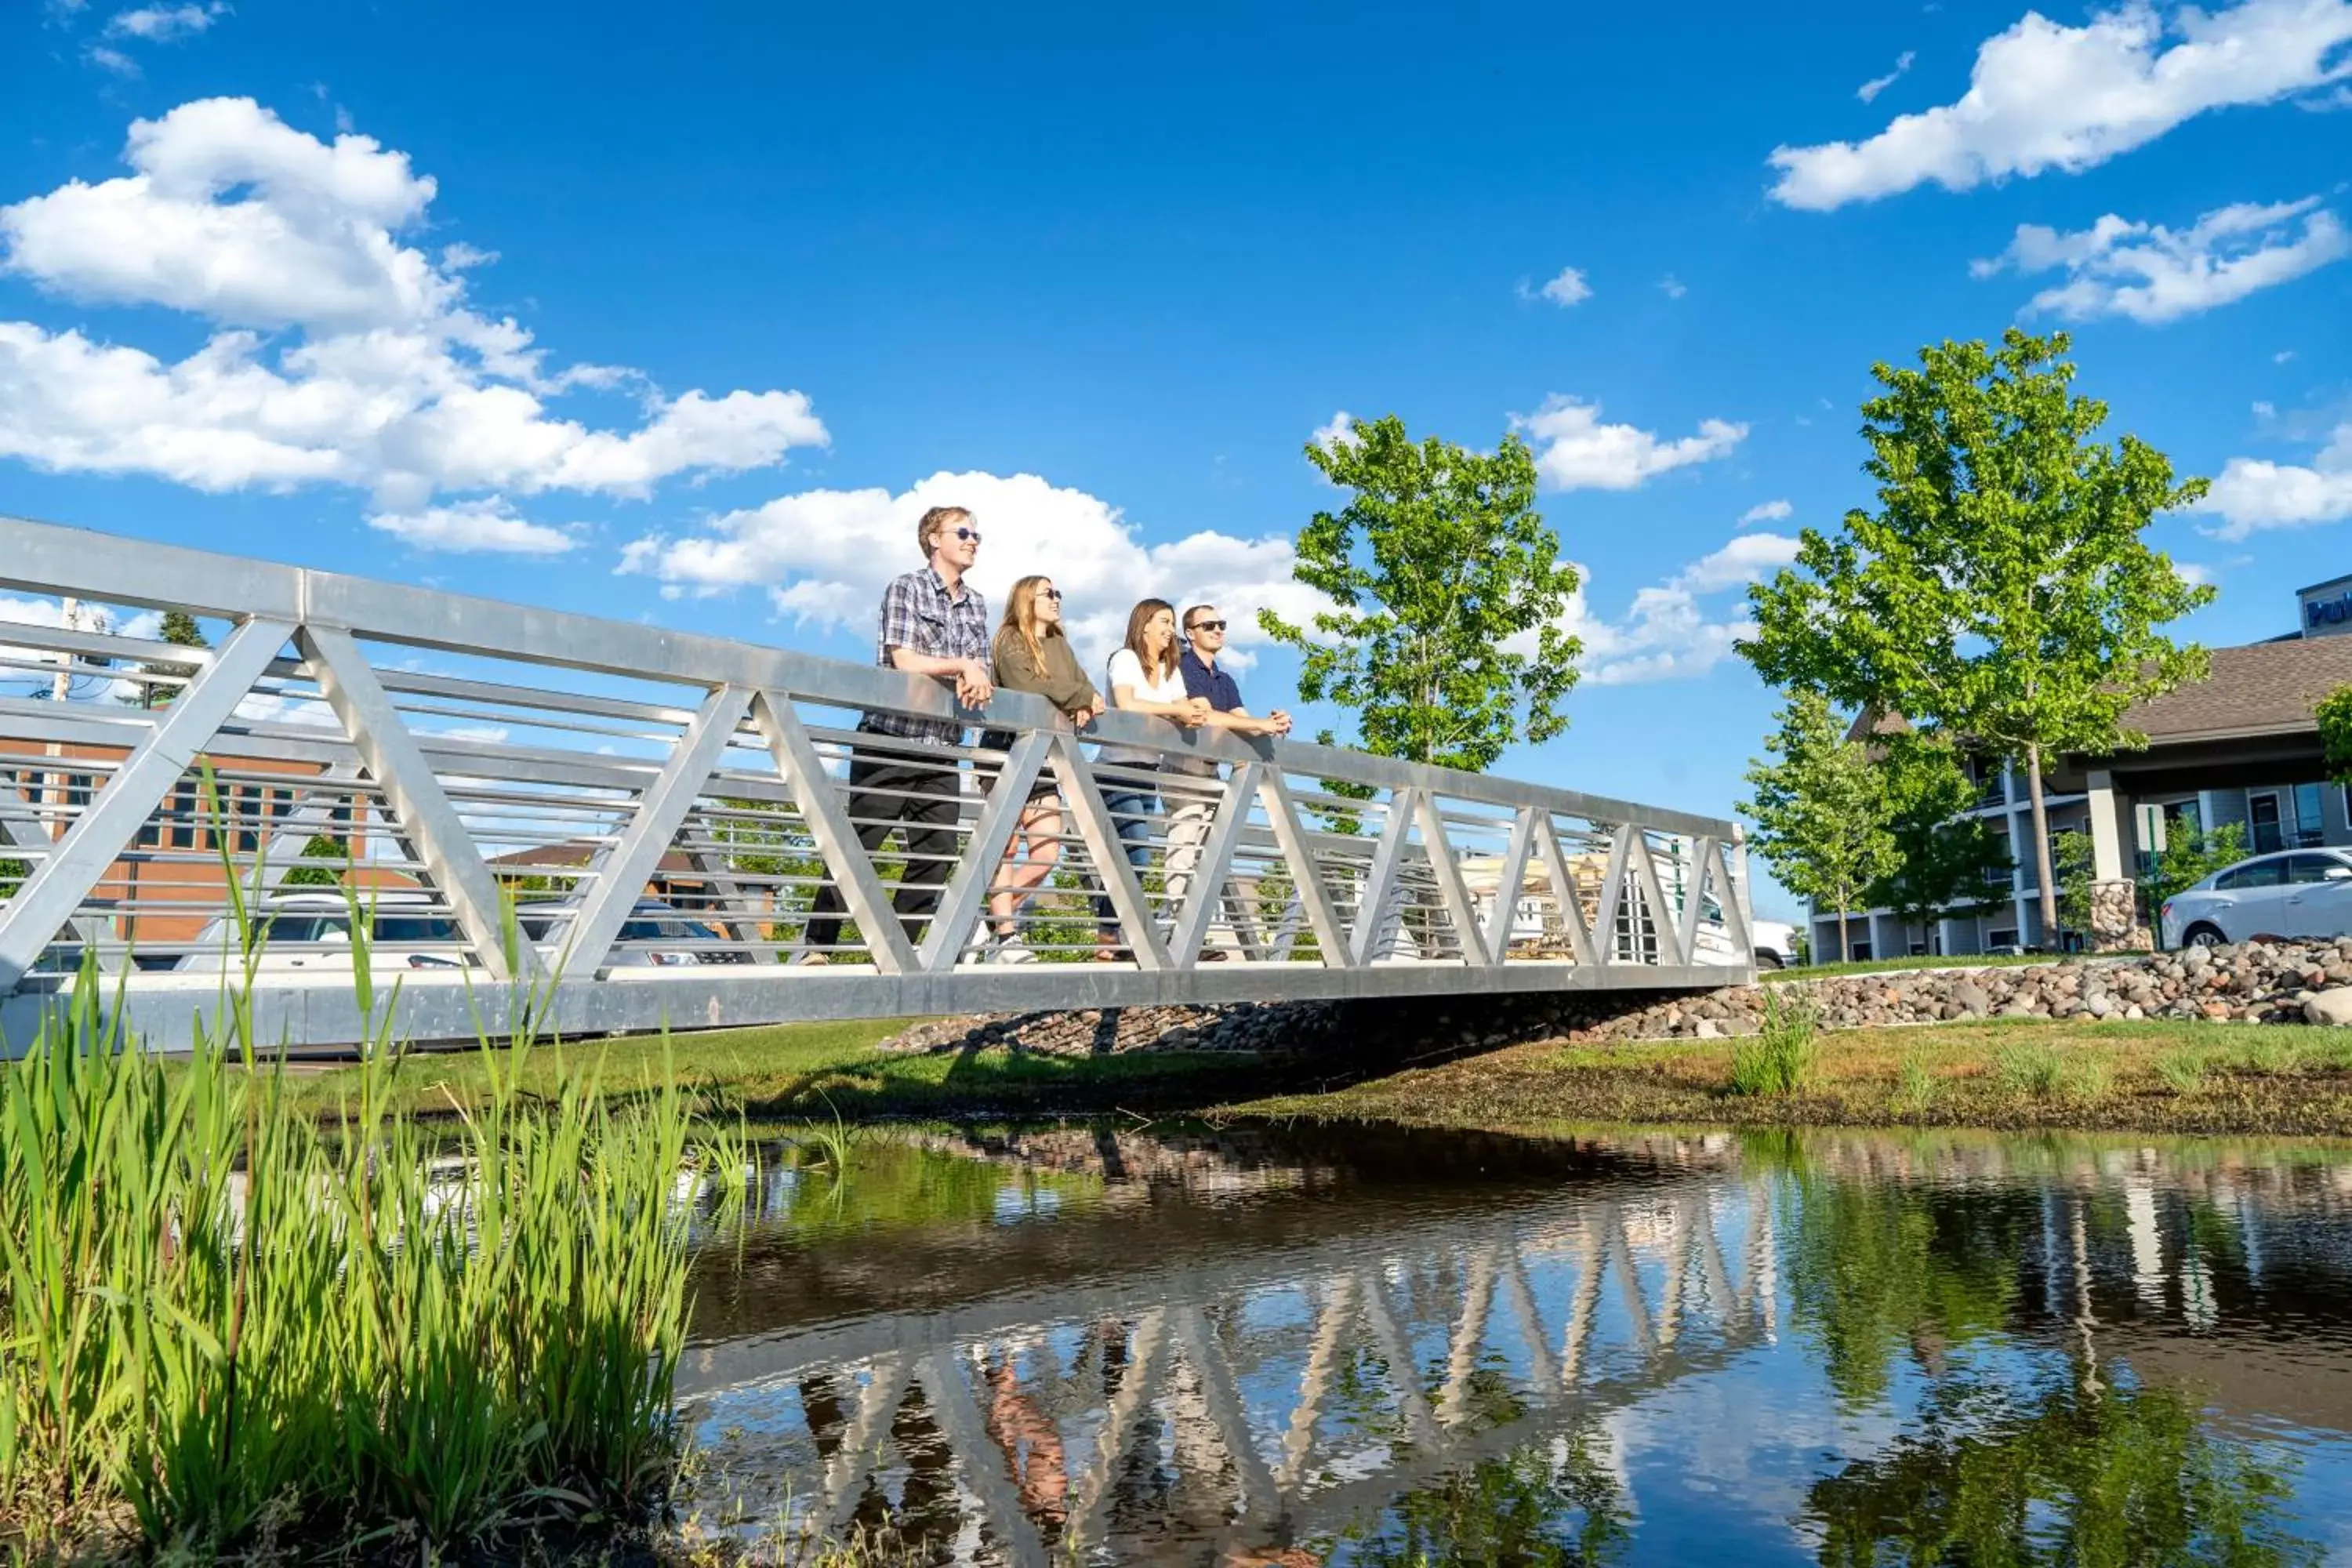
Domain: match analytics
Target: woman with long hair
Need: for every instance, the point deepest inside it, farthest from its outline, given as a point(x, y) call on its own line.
point(1144, 678)
point(1031, 654)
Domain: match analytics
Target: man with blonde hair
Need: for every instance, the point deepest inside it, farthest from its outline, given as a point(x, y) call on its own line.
point(933, 623)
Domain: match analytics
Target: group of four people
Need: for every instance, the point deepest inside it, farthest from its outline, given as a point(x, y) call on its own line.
point(934, 623)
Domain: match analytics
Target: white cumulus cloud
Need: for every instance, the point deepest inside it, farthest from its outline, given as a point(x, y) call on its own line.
point(337, 352)
point(1767, 512)
point(2044, 95)
point(1667, 633)
point(1569, 289)
point(1574, 450)
point(1341, 431)
point(473, 527)
point(2253, 495)
point(2153, 274)
point(1878, 84)
point(164, 23)
point(825, 555)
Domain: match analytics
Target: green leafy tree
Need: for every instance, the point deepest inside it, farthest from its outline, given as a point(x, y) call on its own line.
point(1943, 860)
point(1821, 809)
point(2334, 712)
point(1441, 572)
point(181, 630)
point(2061, 1476)
point(2001, 593)
point(2190, 856)
point(320, 847)
point(11, 873)
point(2072, 861)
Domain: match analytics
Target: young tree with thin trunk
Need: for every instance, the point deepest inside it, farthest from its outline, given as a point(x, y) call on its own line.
point(2001, 597)
point(1822, 811)
point(1447, 591)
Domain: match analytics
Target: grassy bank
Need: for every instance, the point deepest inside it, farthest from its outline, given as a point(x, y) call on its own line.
point(2150, 1077)
point(788, 1073)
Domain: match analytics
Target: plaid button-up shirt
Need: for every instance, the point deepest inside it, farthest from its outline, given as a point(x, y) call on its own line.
point(918, 612)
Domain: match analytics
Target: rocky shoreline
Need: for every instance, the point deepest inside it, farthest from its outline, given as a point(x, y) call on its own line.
point(2254, 982)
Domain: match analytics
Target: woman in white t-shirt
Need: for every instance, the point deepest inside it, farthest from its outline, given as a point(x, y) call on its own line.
point(1143, 679)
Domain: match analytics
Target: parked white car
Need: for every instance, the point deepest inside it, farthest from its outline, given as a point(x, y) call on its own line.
point(1775, 942)
point(311, 934)
point(2298, 893)
point(654, 936)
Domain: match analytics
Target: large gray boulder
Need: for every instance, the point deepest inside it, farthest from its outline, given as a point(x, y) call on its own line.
point(2332, 1008)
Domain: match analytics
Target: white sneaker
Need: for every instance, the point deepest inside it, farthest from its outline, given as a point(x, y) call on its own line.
point(1012, 950)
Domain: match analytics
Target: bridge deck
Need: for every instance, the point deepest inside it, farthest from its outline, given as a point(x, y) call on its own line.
point(620, 827)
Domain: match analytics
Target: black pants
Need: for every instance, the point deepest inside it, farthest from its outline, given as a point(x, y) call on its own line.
point(879, 800)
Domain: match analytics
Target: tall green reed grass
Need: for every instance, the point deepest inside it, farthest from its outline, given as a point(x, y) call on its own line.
point(227, 1323)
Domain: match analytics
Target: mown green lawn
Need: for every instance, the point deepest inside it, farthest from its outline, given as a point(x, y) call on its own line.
point(2155, 1077)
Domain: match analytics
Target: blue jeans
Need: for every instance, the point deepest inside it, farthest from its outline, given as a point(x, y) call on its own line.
point(1131, 811)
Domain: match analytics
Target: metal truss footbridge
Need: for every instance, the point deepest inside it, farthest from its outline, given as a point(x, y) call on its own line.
point(620, 827)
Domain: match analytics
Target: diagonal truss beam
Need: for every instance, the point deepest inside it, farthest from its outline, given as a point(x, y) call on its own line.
point(1507, 885)
point(1202, 899)
point(1613, 897)
point(583, 946)
point(1306, 877)
point(829, 827)
point(1733, 896)
point(1451, 887)
point(1654, 897)
point(1702, 861)
point(20, 829)
point(983, 853)
point(1563, 889)
point(53, 893)
point(390, 756)
point(1387, 856)
point(1083, 797)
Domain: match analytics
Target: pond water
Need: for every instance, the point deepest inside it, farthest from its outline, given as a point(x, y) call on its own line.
point(1250, 1345)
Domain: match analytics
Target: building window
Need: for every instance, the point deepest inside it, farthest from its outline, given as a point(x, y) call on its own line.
point(2310, 827)
point(183, 811)
point(2004, 937)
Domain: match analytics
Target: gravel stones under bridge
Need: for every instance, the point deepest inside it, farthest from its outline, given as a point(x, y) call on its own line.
point(2254, 982)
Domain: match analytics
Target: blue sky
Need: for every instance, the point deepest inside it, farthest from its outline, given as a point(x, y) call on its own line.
point(683, 314)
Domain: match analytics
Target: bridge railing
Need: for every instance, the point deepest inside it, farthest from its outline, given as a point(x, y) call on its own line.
point(528, 796)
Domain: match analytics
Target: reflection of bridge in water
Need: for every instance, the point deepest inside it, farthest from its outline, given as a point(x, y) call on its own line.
point(1136, 1378)
point(1270, 1389)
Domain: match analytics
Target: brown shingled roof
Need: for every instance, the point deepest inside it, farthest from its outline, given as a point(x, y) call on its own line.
point(2260, 687)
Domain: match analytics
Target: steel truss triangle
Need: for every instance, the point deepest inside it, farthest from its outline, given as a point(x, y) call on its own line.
point(436, 835)
point(1612, 898)
point(583, 946)
point(1206, 895)
point(1083, 797)
point(1508, 881)
point(1306, 877)
point(1653, 893)
point(983, 853)
point(836, 840)
point(1451, 889)
point(1702, 862)
point(1563, 889)
point(1388, 859)
point(75, 864)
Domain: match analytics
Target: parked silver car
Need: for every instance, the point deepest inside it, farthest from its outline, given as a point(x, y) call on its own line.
point(2299, 893)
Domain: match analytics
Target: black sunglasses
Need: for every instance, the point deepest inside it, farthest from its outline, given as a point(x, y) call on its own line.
point(1053, 594)
point(971, 534)
point(1206, 627)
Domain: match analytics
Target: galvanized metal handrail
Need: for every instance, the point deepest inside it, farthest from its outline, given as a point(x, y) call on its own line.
point(676, 811)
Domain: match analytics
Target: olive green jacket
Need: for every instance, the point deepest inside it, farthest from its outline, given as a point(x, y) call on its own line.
point(1057, 680)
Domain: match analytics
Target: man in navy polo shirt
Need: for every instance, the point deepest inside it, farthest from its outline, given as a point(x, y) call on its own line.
point(1190, 806)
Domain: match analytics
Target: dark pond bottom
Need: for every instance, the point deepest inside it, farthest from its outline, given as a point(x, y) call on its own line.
point(1255, 1346)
